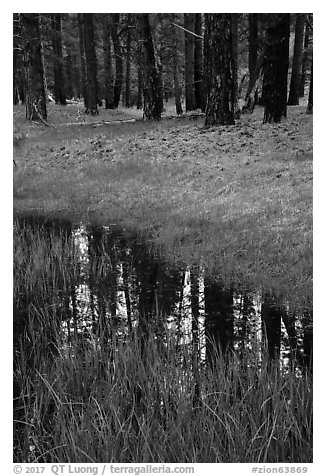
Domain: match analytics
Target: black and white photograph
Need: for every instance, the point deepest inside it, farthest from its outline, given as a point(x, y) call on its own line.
point(162, 240)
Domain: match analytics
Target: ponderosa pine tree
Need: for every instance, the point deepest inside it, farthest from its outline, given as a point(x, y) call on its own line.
point(198, 64)
point(310, 100)
point(128, 60)
point(91, 64)
point(59, 80)
point(253, 45)
point(115, 19)
point(108, 73)
point(151, 86)
point(33, 68)
point(276, 63)
point(297, 60)
point(189, 25)
point(219, 69)
point(305, 57)
point(175, 64)
point(82, 57)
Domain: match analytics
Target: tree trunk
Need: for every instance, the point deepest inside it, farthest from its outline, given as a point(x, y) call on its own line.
point(297, 60)
point(219, 69)
point(128, 60)
point(139, 77)
point(276, 67)
point(305, 60)
point(151, 86)
point(189, 24)
point(108, 74)
point(91, 64)
point(59, 82)
point(235, 36)
point(17, 38)
point(310, 102)
point(115, 18)
point(253, 45)
point(82, 57)
point(177, 89)
point(198, 64)
point(34, 69)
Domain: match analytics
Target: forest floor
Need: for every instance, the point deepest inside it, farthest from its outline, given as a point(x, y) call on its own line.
point(237, 199)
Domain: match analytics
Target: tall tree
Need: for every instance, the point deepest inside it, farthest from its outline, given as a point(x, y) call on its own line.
point(34, 68)
point(297, 60)
point(82, 57)
point(189, 25)
point(198, 63)
point(253, 45)
point(16, 55)
point(219, 69)
point(151, 86)
point(128, 60)
point(91, 64)
point(175, 66)
point(310, 99)
point(108, 73)
point(59, 80)
point(115, 19)
point(235, 37)
point(305, 58)
point(276, 66)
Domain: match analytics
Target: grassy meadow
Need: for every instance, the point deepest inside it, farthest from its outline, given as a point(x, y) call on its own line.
point(237, 198)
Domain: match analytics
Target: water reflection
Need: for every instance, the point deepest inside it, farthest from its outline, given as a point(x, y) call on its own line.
point(120, 287)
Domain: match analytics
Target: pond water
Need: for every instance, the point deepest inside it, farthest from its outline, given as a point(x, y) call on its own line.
point(120, 284)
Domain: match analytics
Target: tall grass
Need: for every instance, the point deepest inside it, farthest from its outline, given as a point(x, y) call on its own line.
point(82, 401)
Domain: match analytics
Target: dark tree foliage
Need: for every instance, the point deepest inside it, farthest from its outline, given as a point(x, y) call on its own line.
point(297, 60)
point(151, 86)
point(276, 66)
point(59, 80)
point(189, 24)
point(34, 68)
point(219, 69)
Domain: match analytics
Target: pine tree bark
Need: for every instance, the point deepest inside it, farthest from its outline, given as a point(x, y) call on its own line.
point(276, 67)
point(151, 86)
point(189, 24)
point(91, 64)
point(305, 60)
point(297, 60)
point(108, 73)
point(253, 45)
point(198, 64)
point(17, 40)
point(34, 68)
point(219, 69)
point(115, 18)
point(235, 37)
point(310, 100)
point(82, 57)
point(128, 60)
point(59, 80)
